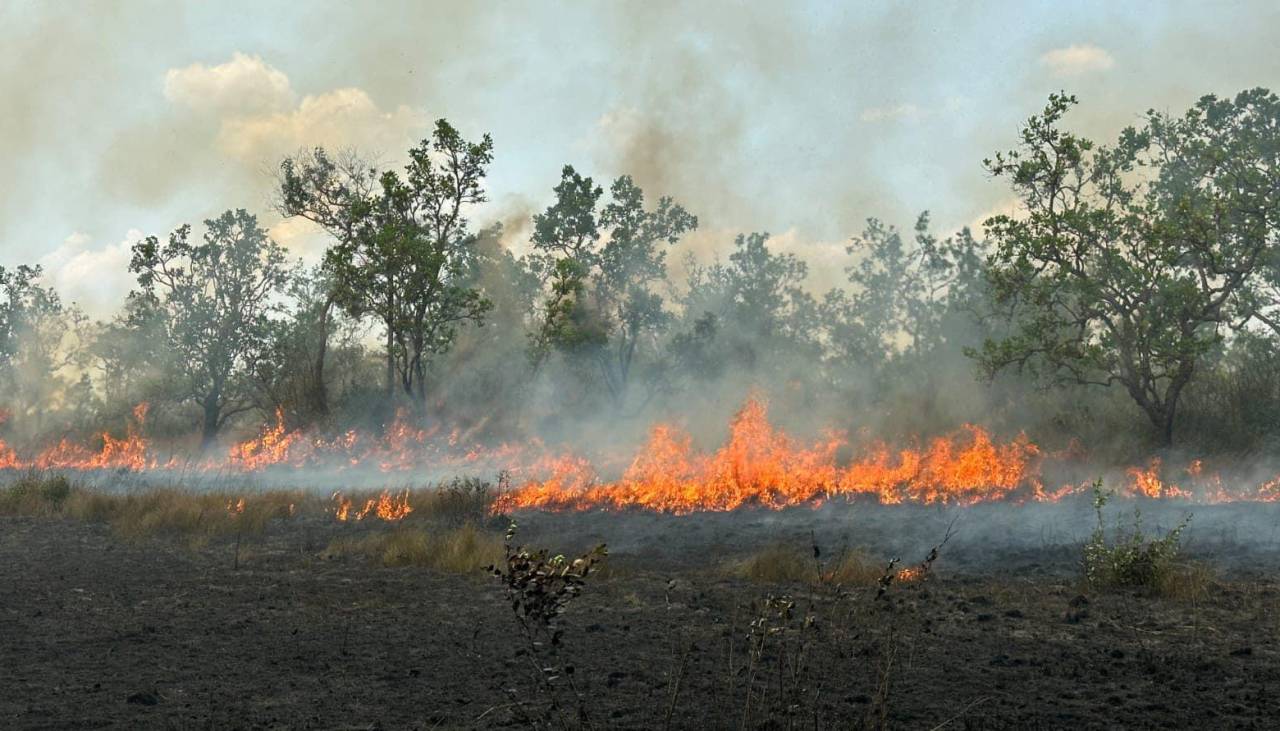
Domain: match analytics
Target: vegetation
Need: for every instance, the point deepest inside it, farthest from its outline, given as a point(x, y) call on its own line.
point(1132, 261)
point(1138, 280)
point(463, 550)
point(212, 303)
point(1131, 559)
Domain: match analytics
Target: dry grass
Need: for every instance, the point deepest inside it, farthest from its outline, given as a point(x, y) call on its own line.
point(782, 563)
point(168, 511)
point(36, 494)
point(461, 550)
point(199, 516)
point(1185, 582)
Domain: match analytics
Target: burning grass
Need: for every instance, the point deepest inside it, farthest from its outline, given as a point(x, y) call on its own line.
point(199, 516)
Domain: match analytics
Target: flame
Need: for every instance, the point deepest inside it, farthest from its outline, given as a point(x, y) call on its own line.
point(761, 465)
point(757, 465)
point(911, 573)
point(386, 507)
point(236, 507)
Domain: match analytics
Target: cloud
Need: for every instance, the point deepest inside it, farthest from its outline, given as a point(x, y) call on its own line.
point(225, 125)
point(336, 119)
point(1077, 59)
point(243, 85)
point(96, 279)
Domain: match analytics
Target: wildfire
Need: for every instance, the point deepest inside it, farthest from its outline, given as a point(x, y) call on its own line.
point(386, 507)
point(757, 465)
point(761, 465)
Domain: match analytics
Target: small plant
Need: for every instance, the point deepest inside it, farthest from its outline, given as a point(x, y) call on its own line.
point(35, 493)
point(1131, 559)
point(540, 587)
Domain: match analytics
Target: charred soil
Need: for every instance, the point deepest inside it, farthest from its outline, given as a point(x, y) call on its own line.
point(96, 632)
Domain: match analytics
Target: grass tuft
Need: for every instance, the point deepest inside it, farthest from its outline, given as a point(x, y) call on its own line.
point(460, 550)
point(782, 563)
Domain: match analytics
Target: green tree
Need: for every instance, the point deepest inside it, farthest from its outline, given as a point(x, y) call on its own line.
point(402, 247)
point(1130, 261)
point(604, 263)
point(214, 300)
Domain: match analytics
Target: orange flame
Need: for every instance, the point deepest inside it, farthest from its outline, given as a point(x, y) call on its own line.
point(760, 465)
point(386, 507)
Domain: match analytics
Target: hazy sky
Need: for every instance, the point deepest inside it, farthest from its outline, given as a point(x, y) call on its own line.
point(125, 119)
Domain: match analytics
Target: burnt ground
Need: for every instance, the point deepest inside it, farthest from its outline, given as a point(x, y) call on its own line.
point(98, 633)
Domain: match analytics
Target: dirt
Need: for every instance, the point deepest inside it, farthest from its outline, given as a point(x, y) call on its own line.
point(99, 633)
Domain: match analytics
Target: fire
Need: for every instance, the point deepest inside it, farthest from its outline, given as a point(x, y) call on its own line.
point(386, 507)
point(911, 573)
point(757, 465)
point(763, 466)
point(236, 508)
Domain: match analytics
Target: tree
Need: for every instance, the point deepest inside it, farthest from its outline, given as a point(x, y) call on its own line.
point(40, 339)
point(403, 248)
point(740, 311)
point(604, 263)
point(215, 302)
point(1130, 261)
point(292, 373)
point(906, 297)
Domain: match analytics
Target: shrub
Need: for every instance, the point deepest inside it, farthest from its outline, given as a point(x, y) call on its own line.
point(36, 493)
point(1132, 559)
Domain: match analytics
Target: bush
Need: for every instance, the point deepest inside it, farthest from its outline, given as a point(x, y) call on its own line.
point(1132, 559)
point(35, 493)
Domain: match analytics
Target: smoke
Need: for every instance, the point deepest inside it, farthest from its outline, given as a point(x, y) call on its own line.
point(799, 122)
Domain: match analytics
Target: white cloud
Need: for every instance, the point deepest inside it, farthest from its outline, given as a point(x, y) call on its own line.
point(336, 119)
point(259, 117)
point(891, 113)
point(243, 85)
point(1077, 59)
point(96, 279)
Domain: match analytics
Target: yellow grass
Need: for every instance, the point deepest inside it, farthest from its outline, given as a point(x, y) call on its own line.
point(782, 563)
point(465, 549)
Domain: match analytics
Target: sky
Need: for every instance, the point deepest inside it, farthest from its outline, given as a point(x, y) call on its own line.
point(127, 119)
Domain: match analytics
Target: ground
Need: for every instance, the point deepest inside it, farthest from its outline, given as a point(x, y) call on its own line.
point(97, 632)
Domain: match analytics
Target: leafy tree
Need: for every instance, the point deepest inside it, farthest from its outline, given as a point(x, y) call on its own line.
point(214, 300)
point(1131, 260)
point(605, 262)
point(293, 373)
point(403, 247)
point(740, 311)
point(906, 297)
point(130, 352)
point(41, 342)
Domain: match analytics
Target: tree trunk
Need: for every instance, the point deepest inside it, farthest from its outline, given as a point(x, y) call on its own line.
point(319, 394)
point(391, 363)
point(209, 431)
